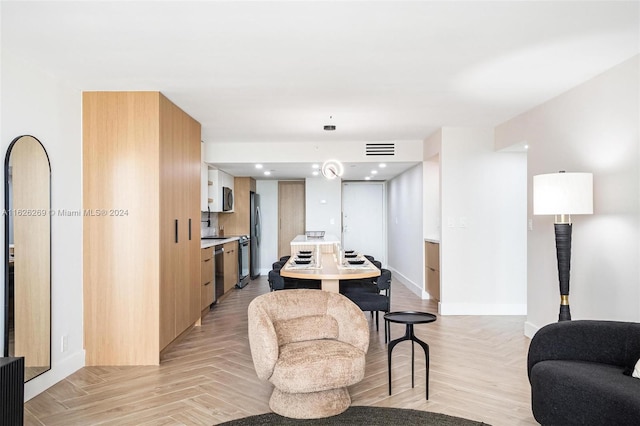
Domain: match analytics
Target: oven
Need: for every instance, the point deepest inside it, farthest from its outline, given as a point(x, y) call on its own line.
point(243, 261)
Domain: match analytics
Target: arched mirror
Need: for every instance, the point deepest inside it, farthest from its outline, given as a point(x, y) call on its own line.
point(27, 237)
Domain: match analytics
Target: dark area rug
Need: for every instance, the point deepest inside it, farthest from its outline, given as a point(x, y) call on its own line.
point(362, 416)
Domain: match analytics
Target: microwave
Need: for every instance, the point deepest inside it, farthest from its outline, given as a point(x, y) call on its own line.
point(227, 199)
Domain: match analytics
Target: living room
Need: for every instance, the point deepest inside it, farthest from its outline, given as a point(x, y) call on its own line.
point(587, 123)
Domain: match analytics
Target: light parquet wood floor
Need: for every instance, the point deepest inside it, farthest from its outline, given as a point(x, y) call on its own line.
point(478, 371)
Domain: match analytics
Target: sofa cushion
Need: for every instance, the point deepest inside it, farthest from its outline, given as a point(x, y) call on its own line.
point(310, 327)
point(317, 365)
point(577, 386)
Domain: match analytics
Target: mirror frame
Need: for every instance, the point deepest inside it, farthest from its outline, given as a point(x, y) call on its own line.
point(7, 251)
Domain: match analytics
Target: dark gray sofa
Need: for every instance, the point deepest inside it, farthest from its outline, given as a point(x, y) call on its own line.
point(577, 373)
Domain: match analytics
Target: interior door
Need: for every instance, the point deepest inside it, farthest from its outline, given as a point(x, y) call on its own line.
point(363, 229)
point(291, 214)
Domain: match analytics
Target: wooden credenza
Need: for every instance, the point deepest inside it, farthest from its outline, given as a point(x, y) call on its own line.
point(141, 201)
point(432, 269)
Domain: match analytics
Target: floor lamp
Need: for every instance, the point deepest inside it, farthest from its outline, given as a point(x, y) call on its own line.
point(563, 194)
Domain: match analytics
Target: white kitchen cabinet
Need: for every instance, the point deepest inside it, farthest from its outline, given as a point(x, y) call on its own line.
point(205, 182)
point(219, 179)
point(205, 187)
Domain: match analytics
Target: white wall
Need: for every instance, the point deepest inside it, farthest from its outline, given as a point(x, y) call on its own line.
point(431, 186)
point(404, 228)
point(323, 203)
point(318, 215)
point(268, 190)
point(591, 128)
point(483, 241)
point(37, 104)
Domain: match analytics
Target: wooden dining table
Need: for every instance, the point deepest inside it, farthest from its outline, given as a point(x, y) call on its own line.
point(329, 270)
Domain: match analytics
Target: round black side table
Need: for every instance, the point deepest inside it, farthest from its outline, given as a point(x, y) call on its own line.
point(409, 318)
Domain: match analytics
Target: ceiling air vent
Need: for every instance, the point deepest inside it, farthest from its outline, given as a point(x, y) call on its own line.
point(381, 149)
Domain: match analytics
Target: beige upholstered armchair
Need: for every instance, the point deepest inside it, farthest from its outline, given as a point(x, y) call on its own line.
point(310, 345)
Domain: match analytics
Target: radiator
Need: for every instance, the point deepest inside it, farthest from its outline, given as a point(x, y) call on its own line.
point(11, 391)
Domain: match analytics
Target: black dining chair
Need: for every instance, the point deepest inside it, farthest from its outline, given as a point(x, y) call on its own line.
point(276, 281)
point(289, 283)
point(310, 284)
point(367, 284)
point(375, 301)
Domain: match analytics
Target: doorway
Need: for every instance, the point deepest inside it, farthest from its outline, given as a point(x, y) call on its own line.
point(291, 214)
point(363, 218)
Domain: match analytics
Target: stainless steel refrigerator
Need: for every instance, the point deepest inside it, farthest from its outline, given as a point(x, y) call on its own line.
point(256, 223)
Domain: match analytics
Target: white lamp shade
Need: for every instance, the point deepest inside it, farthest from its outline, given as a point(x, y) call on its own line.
point(563, 193)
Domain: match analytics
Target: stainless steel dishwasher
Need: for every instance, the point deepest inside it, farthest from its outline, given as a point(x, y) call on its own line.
point(218, 256)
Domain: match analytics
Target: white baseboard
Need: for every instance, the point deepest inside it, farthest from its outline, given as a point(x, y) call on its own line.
point(482, 309)
point(415, 288)
point(61, 370)
point(530, 329)
point(462, 308)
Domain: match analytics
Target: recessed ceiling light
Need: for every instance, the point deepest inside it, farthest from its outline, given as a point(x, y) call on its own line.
point(315, 166)
point(258, 166)
point(526, 147)
point(315, 173)
point(267, 172)
point(382, 165)
point(373, 172)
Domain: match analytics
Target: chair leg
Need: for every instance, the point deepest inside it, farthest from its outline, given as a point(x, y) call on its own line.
point(377, 322)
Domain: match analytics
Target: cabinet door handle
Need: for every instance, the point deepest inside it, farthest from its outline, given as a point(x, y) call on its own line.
point(208, 260)
point(176, 230)
point(207, 283)
point(189, 229)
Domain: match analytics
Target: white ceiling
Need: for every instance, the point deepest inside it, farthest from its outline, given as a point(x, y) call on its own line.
point(286, 171)
point(276, 71)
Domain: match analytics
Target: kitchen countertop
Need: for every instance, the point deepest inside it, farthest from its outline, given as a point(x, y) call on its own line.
point(210, 243)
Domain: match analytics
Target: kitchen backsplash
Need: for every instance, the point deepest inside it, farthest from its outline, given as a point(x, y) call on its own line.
point(208, 230)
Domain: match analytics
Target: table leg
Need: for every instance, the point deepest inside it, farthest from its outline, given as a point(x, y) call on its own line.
point(412, 364)
point(387, 331)
point(425, 347)
point(331, 285)
point(392, 344)
point(409, 335)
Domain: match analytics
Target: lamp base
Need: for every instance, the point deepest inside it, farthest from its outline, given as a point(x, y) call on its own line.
point(563, 252)
point(565, 313)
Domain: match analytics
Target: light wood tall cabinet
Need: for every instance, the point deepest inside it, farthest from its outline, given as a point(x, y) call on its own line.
point(432, 269)
point(141, 199)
